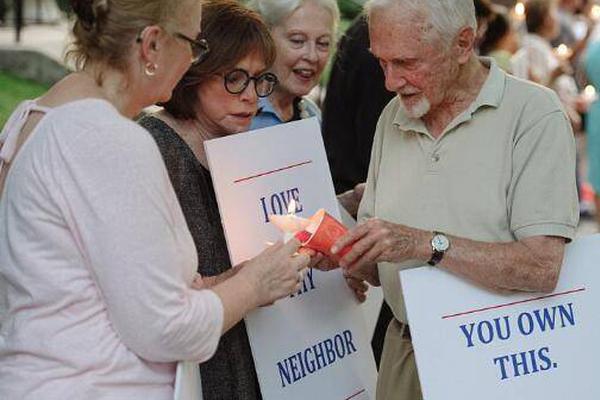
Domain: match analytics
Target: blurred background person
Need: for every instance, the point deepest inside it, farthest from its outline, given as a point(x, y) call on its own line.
point(216, 98)
point(355, 97)
point(97, 265)
point(304, 32)
point(483, 15)
point(592, 66)
point(501, 39)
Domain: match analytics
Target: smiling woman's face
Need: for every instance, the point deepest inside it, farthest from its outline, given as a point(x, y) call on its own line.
point(303, 42)
point(222, 113)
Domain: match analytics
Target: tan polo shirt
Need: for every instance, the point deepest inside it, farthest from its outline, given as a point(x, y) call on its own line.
point(502, 170)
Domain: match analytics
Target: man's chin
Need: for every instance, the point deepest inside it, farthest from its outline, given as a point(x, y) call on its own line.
point(416, 109)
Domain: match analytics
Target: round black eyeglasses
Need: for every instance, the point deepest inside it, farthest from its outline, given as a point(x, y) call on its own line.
point(237, 81)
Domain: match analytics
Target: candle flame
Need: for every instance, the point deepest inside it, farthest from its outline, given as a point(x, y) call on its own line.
point(520, 9)
point(590, 90)
point(563, 51)
point(589, 94)
point(595, 12)
point(291, 210)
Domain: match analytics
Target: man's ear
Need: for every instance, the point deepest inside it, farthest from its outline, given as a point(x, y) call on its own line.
point(149, 41)
point(464, 44)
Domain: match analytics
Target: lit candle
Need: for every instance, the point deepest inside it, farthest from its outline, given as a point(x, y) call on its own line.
point(563, 51)
point(318, 233)
point(289, 224)
point(595, 12)
point(519, 11)
point(589, 94)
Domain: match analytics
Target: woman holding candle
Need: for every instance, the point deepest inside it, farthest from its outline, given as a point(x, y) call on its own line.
point(215, 98)
point(96, 261)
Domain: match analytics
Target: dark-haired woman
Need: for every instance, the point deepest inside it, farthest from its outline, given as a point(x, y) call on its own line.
point(216, 98)
point(97, 265)
point(501, 39)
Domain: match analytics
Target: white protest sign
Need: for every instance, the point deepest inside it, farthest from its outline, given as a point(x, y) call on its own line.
point(473, 344)
point(313, 344)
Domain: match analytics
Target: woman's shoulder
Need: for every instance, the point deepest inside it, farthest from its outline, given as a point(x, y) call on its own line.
point(166, 137)
point(155, 125)
point(91, 115)
point(94, 128)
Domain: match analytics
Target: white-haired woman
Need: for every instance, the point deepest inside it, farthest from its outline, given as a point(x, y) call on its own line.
point(304, 32)
point(98, 288)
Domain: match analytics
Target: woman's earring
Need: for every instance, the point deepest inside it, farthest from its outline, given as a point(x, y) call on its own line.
point(150, 69)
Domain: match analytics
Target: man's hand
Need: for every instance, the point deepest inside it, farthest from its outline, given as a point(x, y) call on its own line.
point(358, 286)
point(376, 240)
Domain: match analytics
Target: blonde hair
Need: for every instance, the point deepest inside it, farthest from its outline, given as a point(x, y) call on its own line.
point(104, 30)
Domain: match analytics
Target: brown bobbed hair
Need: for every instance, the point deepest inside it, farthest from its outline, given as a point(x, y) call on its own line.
point(233, 32)
point(104, 30)
point(536, 13)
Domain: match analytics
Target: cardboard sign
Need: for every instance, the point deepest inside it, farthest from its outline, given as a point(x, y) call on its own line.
point(473, 344)
point(313, 344)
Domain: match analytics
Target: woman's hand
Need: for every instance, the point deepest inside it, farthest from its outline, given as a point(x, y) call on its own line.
point(277, 272)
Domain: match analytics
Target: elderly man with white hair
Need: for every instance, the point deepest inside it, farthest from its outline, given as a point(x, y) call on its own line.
point(472, 170)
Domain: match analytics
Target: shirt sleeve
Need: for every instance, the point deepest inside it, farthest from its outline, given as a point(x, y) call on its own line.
point(543, 194)
point(125, 218)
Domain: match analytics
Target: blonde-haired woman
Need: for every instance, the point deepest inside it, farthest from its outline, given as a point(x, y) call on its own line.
point(98, 279)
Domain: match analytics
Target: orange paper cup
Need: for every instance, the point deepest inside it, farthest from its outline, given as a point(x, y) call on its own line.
point(328, 231)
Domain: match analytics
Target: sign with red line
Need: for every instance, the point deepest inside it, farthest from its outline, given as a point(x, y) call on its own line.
point(471, 343)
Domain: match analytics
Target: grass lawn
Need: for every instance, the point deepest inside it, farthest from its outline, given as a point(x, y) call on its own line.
point(13, 90)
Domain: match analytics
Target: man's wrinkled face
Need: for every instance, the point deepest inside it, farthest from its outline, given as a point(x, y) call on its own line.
point(418, 69)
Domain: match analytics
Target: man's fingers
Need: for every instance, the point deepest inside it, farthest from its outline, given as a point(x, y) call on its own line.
point(370, 257)
point(349, 238)
point(359, 249)
point(358, 285)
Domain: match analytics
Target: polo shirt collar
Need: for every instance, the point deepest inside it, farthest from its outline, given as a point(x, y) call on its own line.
point(490, 95)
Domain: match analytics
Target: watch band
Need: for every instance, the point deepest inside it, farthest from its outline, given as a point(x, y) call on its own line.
point(436, 257)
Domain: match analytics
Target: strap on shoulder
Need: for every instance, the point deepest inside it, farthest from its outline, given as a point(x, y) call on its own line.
point(11, 137)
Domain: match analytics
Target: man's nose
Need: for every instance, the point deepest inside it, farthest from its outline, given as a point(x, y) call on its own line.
point(394, 81)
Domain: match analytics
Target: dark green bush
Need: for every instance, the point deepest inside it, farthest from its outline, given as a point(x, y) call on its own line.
point(350, 8)
point(64, 5)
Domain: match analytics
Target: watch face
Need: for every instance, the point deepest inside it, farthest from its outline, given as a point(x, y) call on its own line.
point(440, 242)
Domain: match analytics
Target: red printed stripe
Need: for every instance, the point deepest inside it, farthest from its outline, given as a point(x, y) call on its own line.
point(356, 394)
point(248, 178)
point(513, 303)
